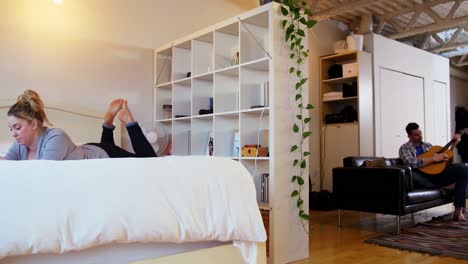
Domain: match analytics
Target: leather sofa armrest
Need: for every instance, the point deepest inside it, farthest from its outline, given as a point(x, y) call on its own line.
point(408, 176)
point(379, 190)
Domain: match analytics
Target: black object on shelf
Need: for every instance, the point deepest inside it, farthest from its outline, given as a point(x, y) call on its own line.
point(178, 116)
point(349, 113)
point(189, 74)
point(256, 106)
point(335, 71)
point(350, 90)
point(334, 118)
point(205, 111)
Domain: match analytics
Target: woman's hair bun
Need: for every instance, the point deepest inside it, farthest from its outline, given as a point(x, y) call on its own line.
point(31, 98)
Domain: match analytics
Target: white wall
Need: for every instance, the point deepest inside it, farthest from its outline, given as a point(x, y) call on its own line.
point(321, 40)
point(88, 52)
point(140, 23)
point(75, 72)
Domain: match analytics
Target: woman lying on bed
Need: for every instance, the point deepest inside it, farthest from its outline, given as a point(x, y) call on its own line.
point(33, 140)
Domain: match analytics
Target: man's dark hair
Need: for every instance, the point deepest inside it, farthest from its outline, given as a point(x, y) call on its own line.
point(410, 127)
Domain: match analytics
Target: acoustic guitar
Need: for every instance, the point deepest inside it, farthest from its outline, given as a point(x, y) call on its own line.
point(438, 167)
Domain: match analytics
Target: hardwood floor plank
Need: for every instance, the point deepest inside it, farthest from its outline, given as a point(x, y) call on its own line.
point(332, 245)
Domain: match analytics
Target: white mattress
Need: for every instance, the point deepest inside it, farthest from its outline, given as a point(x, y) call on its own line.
point(65, 206)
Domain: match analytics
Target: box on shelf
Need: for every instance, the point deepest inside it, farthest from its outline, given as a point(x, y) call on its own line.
point(350, 69)
point(254, 151)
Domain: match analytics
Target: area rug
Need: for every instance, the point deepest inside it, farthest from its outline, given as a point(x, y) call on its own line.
point(439, 236)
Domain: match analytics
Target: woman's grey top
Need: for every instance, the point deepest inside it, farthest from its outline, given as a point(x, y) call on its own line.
point(55, 144)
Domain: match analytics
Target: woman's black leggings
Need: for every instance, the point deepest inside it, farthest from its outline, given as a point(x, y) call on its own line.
point(140, 144)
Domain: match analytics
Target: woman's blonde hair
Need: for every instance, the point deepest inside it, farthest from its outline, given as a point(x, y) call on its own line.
point(30, 107)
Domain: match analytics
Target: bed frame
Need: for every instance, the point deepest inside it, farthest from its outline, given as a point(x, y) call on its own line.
point(203, 252)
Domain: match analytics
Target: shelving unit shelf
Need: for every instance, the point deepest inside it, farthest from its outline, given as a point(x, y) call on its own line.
point(346, 107)
point(228, 83)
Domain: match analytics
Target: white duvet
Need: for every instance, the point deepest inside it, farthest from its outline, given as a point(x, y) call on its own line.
point(59, 206)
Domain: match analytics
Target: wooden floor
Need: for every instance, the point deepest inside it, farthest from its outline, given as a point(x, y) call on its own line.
point(329, 244)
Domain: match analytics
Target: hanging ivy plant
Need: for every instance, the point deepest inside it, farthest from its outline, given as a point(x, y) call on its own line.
point(295, 24)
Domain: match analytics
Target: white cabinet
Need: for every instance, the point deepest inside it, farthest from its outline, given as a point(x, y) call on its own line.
point(239, 70)
point(410, 85)
point(339, 142)
point(404, 103)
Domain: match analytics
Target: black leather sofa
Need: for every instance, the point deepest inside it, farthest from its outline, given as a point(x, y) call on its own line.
point(383, 190)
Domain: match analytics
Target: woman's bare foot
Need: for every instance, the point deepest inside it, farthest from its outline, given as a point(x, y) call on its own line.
point(125, 115)
point(112, 111)
point(458, 215)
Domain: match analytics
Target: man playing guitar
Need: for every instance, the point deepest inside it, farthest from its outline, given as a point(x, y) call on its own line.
point(410, 153)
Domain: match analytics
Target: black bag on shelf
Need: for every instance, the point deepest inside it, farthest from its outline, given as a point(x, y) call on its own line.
point(350, 90)
point(335, 71)
point(349, 114)
point(334, 118)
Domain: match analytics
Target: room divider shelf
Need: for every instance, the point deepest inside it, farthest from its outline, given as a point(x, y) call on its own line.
point(231, 72)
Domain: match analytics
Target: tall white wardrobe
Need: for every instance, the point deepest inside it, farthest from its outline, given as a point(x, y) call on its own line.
point(410, 85)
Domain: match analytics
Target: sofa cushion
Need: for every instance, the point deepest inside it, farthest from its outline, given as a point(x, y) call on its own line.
point(357, 161)
point(419, 196)
point(380, 162)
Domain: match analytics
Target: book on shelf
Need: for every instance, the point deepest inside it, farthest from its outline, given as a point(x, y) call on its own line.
point(264, 94)
point(189, 141)
point(209, 144)
point(236, 144)
point(264, 187)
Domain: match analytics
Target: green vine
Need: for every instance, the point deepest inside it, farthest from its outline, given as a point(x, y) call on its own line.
point(297, 20)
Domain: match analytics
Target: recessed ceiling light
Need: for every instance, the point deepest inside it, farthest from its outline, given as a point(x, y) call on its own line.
point(58, 2)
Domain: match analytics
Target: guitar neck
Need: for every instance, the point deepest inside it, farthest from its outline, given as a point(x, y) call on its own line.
point(442, 150)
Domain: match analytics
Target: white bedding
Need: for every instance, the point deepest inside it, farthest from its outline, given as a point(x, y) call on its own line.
point(60, 206)
point(4, 147)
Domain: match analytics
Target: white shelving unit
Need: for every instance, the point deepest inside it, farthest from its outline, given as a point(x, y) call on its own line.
point(238, 69)
point(348, 137)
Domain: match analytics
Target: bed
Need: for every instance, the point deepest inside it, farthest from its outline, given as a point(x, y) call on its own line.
point(141, 211)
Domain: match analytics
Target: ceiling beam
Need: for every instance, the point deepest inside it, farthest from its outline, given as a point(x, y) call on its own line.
point(314, 6)
point(448, 47)
point(438, 39)
point(415, 7)
point(455, 35)
point(455, 53)
point(456, 72)
point(341, 9)
point(435, 27)
point(454, 9)
point(461, 64)
point(425, 40)
point(462, 58)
